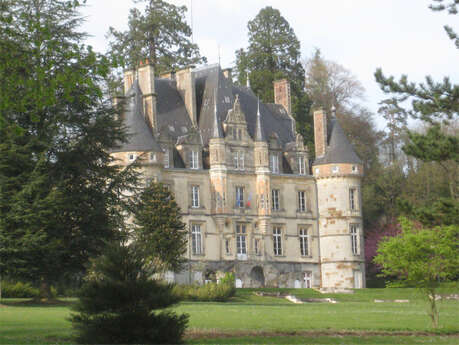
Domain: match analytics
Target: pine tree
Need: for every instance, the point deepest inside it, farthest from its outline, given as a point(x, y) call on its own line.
point(274, 53)
point(158, 229)
point(435, 103)
point(160, 33)
point(59, 187)
point(119, 299)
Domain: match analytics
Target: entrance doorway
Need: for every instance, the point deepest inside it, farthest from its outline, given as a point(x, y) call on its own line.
point(308, 279)
point(257, 277)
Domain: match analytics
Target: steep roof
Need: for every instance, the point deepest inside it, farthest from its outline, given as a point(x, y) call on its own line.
point(140, 135)
point(339, 149)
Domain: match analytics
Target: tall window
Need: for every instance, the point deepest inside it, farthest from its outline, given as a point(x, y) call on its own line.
point(194, 160)
point(301, 166)
point(241, 237)
point(354, 230)
point(304, 242)
point(275, 199)
point(302, 201)
point(238, 160)
point(277, 240)
point(166, 158)
point(195, 196)
point(196, 244)
point(274, 163)
point(239, 196)
point(352, 199)
point(227, 247)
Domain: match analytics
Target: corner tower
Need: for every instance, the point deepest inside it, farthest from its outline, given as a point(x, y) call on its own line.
point(338, 172)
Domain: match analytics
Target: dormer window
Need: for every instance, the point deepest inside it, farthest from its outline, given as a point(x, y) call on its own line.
point(238, 160)
point(301, 166)
point(274, 163)
point(239, 134)
point(194, 160)
point(152, 157)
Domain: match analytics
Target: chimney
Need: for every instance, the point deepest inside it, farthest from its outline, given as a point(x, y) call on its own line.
point(147, 86)
point(227, 72)
point(186, 87)
point(128, 80)
point(320, 132)
point(282, 94)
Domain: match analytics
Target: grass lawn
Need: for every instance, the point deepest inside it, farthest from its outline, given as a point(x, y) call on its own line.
point(355, 319)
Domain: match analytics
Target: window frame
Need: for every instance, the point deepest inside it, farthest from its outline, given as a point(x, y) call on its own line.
point(354, 234)
point(277, 240)
point(274, 163)
point(275, 199)
point(301, 165)
point(304, 238)
point(195, 197)
point(196, 239)
point(194, 159)
point(302, 202)
point(166, 158)
point(239, 196)
point(241, 239)
point(353, 199)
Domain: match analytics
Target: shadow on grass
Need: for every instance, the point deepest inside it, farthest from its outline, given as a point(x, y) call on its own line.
point(30, 302)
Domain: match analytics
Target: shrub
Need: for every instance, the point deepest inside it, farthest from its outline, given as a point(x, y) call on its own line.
point(18, 290)
point(211, 292)
point(119, 302)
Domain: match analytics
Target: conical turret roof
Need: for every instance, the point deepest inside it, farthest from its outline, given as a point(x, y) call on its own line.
point(259, 134)
point(339, 149)
point(140, 135)
point(217, 130)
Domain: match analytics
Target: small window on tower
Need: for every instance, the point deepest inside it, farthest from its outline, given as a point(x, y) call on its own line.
point(354, 169)
point(335, 169)
point(131, 157)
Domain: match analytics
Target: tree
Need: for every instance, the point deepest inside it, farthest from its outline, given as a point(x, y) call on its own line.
point(329, 84)
point(158, 229)
point(274, 53)
point(160, 34)
point(60, 191)
point(119, 299)
point(423, 258)
point(435, 103)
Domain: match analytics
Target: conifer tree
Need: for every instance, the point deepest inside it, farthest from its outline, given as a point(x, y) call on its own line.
point(59, 187)
point(274, 53)
point(119, 301)
point(158, 229)
point(159, 33)
point(435, 103)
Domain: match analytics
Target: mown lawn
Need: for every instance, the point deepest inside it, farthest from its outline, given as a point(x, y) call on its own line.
point(355, 319)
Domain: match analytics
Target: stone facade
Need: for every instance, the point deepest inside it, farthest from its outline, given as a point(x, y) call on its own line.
point(251, 199)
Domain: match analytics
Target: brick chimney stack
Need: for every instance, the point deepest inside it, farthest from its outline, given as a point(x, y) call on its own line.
point(186, 87)
point(320, 132)
point(147, 86)
point(282, 94)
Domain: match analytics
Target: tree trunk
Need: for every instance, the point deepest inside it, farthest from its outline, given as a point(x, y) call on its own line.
point(45, 290)
point(433, 313)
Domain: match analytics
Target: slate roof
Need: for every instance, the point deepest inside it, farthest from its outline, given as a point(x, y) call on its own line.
point(140, 134)
point(339, 149)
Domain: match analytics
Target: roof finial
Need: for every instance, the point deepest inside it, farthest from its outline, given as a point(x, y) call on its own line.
point(259, 135)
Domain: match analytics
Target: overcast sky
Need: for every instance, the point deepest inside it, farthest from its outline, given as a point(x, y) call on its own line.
point(401, 36)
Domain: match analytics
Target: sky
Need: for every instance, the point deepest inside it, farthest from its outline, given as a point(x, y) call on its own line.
point(400, 36)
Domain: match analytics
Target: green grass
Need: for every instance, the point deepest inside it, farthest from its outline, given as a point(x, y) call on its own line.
point(249, 317)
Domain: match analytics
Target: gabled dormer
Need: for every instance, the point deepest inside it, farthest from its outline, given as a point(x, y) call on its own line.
point(190, 149)
point(296, 155)
point(235, 124)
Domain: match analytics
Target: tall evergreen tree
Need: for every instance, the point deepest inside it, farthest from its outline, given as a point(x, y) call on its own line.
point(158, 229)
point(159, 33)
point(274, 53)
point(59, 187)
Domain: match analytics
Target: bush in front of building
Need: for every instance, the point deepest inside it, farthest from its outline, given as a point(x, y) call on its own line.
point(210, 292)
point(18, 290)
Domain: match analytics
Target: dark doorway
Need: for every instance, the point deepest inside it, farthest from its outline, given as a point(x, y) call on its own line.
point(257, 277)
